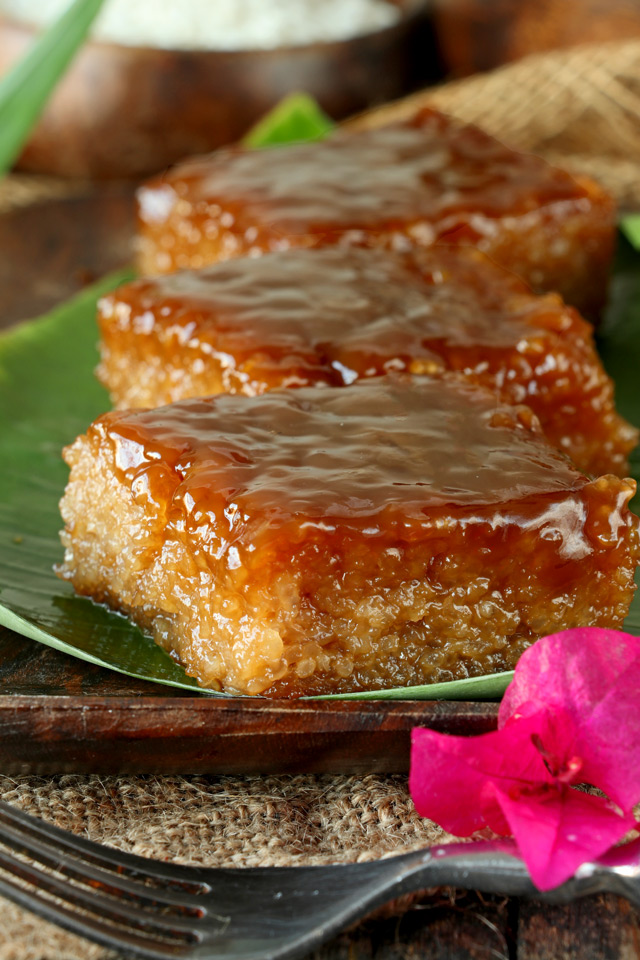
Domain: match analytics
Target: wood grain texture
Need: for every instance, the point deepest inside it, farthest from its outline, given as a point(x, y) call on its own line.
point(51, 250)
point(596, 928)
point(61, 715)
point(447, 924)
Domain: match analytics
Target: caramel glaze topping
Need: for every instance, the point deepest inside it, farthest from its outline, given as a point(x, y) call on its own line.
point(396, 448)
point(427, 169)
point(335, 315)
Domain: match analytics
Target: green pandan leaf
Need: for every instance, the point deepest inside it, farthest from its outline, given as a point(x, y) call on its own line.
point(26, 88)
point(298, 117)
point(630, 226)
point(619, 337)
point(48, 395)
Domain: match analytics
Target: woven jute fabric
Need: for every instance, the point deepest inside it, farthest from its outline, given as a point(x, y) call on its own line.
point(213, 821)
point(578, 108)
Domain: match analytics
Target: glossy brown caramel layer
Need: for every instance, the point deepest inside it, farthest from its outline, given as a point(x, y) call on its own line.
point(334, 316)
point(407, 530)
point(415, 183)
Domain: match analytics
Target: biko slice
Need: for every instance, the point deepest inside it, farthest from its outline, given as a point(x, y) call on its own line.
point(424, 180)
point(335, 316)
point(404, 531)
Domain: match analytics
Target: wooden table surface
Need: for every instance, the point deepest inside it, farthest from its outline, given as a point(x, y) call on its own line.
point(48, 252)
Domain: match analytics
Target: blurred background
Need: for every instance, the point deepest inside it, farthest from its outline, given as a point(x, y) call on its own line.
point(159, 79)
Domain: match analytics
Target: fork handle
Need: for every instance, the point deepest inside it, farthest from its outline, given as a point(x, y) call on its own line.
point(488, 866)
point(497, 867)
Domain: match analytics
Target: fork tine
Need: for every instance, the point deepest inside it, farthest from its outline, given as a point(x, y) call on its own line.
point(86, 925)
point(121, 873)
point(124, 864)
point(95, 896)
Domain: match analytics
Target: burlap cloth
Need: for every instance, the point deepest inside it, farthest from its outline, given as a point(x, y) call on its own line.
point(213, 821)
point(578, 108)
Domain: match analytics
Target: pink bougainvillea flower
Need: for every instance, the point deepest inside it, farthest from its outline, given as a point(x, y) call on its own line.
point(569, 717)
point(592, 677)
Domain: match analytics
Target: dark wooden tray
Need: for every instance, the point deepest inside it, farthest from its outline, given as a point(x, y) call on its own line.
point(61, 715)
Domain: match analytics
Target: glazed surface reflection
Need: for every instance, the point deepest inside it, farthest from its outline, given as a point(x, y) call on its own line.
point(334, 316)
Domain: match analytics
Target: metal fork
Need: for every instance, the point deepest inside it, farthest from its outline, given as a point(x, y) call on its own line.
point(150, 909)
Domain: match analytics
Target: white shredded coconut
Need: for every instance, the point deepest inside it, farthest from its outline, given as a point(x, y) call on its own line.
point(220, 24)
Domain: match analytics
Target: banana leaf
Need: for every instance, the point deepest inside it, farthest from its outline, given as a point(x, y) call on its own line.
point(48, 395)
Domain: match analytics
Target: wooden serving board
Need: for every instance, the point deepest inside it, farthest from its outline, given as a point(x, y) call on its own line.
point(62, 715)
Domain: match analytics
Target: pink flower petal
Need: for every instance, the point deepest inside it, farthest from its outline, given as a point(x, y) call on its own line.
point(588, 680)
point(449, 775)
point(559, 828)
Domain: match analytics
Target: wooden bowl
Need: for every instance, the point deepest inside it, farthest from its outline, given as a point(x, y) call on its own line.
point(131, 111)
point(476, 35)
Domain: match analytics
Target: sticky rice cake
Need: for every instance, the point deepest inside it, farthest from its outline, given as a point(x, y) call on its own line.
point(404, 531)
point(333, 316)
point(414, 183)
